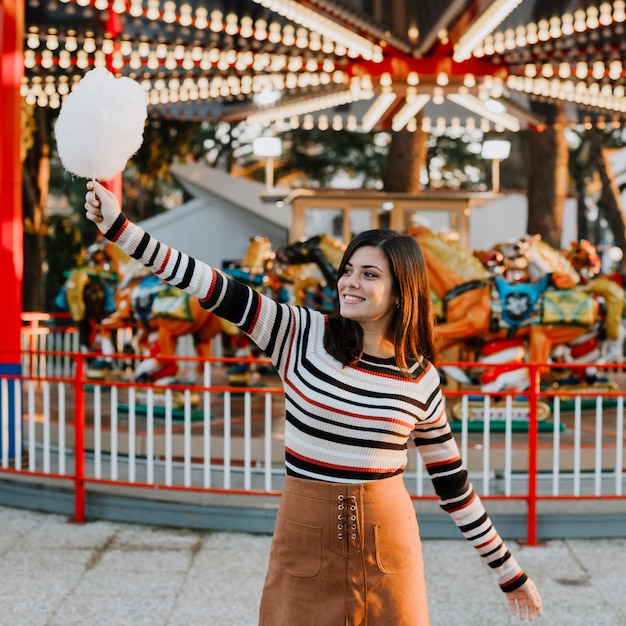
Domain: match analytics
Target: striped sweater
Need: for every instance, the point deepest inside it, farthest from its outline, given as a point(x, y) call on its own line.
point(346, 424)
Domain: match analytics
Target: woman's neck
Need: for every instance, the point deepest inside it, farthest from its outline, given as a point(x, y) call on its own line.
point(377, 345)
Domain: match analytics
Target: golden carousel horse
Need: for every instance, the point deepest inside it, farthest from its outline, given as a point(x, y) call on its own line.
point(473, 308)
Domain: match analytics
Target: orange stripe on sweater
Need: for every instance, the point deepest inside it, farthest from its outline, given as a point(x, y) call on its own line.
point(463, 506)
point(512, 580)
point(482, 545)
point(164, 264)
point(120, 231)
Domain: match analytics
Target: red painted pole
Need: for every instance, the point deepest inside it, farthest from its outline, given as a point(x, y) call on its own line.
point(11, 223)
point(11, 248)
point(113, 27)
point(532, 455)
point(79, 440)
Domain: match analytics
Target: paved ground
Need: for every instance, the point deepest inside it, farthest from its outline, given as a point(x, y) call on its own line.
point(56, 573)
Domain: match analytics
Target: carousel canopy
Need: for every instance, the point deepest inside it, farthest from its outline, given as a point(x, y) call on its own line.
point(356, 64)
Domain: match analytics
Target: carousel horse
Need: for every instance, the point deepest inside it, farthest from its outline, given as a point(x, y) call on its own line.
point(322, 250)
point(529, 259)
point(477, 305)
point(575, 268)
point(88, 293)
point(159, 314)
point(256, 269)
point(311, 266)
point(584, 258)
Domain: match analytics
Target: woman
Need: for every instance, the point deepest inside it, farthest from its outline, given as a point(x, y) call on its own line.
point(358, 387)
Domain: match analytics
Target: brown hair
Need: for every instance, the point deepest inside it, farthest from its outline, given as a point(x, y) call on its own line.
point(413, 323)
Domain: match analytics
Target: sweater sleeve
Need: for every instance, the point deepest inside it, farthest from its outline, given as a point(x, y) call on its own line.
point(457, 497)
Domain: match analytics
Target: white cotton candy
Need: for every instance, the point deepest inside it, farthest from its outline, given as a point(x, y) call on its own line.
point(100, 125)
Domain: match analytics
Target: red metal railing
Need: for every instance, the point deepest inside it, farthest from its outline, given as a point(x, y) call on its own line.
point(230, 443)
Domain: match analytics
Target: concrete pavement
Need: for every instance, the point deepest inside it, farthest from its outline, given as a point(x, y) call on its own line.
point(57, 573)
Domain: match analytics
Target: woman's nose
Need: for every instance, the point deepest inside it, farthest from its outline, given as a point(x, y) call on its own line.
point(352, 281)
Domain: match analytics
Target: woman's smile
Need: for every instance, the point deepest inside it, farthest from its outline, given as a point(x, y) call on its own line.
point(350, 298)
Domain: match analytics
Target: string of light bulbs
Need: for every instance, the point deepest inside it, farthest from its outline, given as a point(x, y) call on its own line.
point(316, 33)
point(578, 22)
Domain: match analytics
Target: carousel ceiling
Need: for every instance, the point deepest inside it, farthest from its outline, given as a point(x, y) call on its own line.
point(356, 64)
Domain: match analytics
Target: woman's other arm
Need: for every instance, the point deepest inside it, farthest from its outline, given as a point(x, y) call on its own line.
point(458, 498)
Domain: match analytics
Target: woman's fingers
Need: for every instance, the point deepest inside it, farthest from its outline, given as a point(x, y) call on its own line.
point(92, 207)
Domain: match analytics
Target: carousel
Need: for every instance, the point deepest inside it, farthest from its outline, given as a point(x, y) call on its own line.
point(407, 68)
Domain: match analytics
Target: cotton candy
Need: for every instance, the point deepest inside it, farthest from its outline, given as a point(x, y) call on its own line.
point(100, 125)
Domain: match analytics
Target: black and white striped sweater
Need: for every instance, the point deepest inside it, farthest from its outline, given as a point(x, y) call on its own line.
point(346, 424)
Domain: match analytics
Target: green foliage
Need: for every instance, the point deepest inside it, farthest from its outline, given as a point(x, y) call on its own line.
point(163, 141)
point(149, 187)
point(453, 163)
point(64, 250)
point(598, 219)
point(320, 155)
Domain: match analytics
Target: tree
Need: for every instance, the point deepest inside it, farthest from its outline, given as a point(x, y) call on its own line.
point(547, 157)
point(599, 208)
point(608, 202)
point(148, 182)
point(35, 182)
point(405, 161)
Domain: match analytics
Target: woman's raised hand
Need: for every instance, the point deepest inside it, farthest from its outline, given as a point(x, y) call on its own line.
point(101, 206)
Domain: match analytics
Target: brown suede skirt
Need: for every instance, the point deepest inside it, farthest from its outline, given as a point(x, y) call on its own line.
point(345, 555)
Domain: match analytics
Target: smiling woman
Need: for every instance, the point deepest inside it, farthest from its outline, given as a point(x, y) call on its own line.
point(359, 386)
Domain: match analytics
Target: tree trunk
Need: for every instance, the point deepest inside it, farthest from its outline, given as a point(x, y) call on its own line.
point(578, 165)
point(609, 201)
point(407, 156)
point(36, 176)
point(547, 158)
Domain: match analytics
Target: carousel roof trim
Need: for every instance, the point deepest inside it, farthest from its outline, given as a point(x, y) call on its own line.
point(198, 63)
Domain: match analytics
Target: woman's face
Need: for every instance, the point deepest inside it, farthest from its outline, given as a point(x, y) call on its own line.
point(366, 293)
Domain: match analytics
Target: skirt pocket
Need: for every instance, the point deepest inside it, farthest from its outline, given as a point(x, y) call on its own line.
point(397, 545)
point(301, 549)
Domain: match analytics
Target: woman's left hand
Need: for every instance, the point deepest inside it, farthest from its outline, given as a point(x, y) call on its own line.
point(525, 601)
